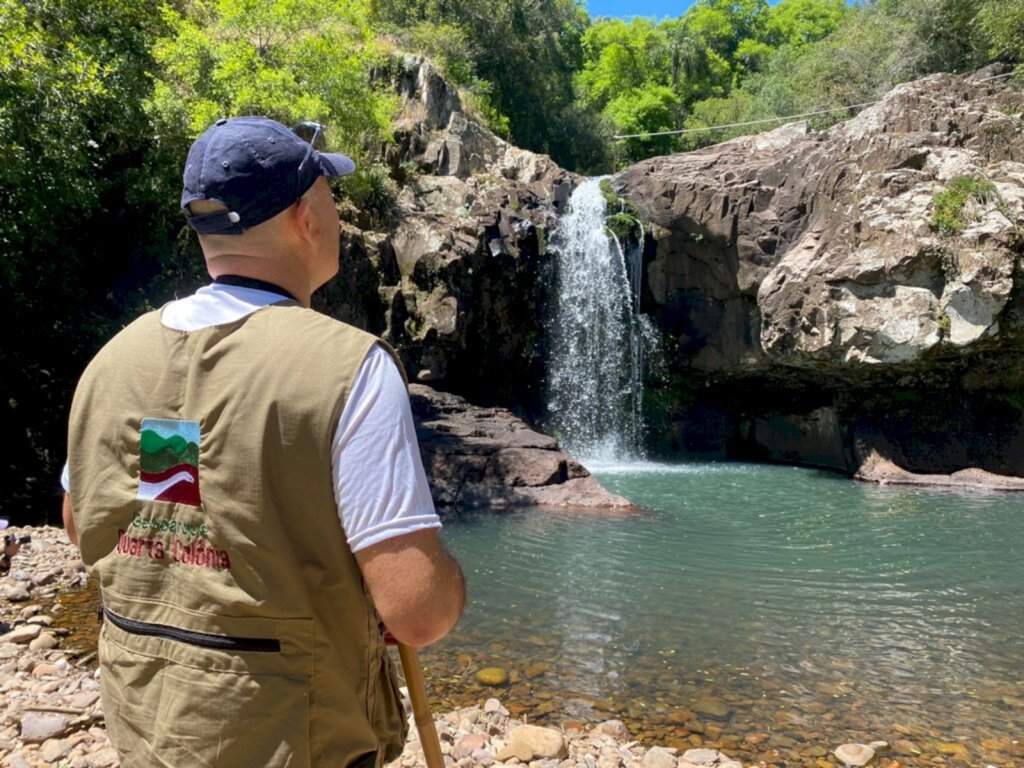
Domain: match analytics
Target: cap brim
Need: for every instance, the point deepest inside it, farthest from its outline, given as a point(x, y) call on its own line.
point(335, 164)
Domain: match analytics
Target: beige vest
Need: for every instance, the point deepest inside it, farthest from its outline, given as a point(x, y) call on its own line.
point(238, 630)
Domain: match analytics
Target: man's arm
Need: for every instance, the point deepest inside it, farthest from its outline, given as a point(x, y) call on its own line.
point(416, 585)
point(69, 521)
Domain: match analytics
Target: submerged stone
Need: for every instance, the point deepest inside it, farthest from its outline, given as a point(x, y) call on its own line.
point(492, 676)
point(854, 754)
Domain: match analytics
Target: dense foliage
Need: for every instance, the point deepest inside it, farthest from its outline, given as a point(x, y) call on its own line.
point(100, 98)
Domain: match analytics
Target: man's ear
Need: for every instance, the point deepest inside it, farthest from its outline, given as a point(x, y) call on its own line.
point(305, 224)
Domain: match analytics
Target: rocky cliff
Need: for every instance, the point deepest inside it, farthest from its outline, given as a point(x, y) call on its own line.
point(453, 272)
point(849, 297)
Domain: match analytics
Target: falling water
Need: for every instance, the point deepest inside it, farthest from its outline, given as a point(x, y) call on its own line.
point(598, 337)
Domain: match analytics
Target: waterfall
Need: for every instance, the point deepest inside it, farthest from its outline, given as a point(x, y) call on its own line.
point(598, 337)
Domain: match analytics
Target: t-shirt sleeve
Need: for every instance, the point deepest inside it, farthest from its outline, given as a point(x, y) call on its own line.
point(65, 478)
point(379, 483)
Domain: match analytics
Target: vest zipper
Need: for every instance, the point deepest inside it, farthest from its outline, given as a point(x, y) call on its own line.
point(201, 639)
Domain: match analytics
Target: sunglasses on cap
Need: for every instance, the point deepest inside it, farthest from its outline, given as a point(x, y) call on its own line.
point(312, 134)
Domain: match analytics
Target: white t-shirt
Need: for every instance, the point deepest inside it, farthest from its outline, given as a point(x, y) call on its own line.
point(379, 483)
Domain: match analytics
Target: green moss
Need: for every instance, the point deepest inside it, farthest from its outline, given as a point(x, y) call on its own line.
point(949, 204)
point(623, 226)
point(623, 220)
point(944, 326)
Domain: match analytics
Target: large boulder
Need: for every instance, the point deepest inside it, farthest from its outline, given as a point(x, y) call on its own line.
point(828, 297)
point(486, 457)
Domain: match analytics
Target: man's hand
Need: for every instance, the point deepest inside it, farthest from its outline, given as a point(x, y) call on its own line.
point(416, 586)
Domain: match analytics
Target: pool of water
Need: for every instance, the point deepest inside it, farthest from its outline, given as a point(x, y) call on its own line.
point(751, 601)
point(773, 612)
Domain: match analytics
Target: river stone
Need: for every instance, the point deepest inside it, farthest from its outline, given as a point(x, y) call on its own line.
point(659, 757)
point(44, 642)
point(531, 742)
point(854, 754)
point(18, 593)
point(54, 749)
point(102, 759)
point(614, 728)
point(492, 676)
point(26, 633)
point(906, 747)
point(711, 706)
point(36, 728)
point(702, 756)
point(467, 745)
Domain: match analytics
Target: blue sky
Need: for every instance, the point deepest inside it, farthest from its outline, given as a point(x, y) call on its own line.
point(659, 9)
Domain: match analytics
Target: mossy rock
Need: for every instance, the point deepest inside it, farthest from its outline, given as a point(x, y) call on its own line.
point(492, 676)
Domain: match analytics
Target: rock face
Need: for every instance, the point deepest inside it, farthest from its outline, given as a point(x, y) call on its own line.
point(822, 272)
point(453, 272)
point(486, 457)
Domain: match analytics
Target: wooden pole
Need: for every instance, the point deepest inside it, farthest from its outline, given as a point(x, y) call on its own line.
point(420, 707)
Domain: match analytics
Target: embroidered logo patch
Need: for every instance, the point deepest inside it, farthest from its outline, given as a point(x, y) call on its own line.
point(170, 461)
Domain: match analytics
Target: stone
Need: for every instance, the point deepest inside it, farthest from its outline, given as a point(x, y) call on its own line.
point(103, 758)
point(470, 743)
point(531, 742)
point(854, 754)
point(18, 593)
point(37, 728)
point(659, 757)
point(44, 642)
point(709, 705)
point(614, 728)
point(702, 756)
point(24, 634)
point(54, 750)
point(493, 705)
point(492, 676)
point(19, 761)
point(84, 699)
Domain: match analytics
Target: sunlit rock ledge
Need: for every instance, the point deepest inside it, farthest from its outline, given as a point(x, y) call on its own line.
point(486, 457)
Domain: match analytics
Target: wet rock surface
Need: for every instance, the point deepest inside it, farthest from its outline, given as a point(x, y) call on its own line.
point(486, 457)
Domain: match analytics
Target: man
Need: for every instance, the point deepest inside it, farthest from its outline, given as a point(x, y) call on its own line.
point(245, 482)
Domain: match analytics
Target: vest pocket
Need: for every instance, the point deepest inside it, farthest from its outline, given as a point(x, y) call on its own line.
point(170, 702)
point(199, 639)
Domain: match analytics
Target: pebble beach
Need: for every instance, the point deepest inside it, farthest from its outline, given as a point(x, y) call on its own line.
point(51, 712)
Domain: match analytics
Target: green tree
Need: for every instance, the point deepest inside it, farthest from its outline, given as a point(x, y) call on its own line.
point(648, 109)
point(291, 60)
point(84, 188)
point(1001, 29)
point(801, 22)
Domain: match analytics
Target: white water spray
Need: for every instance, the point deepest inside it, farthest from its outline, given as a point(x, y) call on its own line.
point(598, 337)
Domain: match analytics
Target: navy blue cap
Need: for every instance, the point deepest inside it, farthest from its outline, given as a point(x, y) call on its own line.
point(255, 167)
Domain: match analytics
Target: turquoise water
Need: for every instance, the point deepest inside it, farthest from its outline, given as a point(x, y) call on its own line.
point(809, 605)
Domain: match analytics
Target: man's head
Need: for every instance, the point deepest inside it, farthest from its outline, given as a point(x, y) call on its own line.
point(256, 193)
point(255, 168)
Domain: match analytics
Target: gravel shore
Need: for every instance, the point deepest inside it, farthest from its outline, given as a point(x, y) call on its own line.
point(51, 714)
